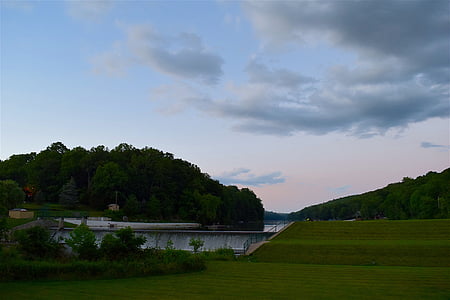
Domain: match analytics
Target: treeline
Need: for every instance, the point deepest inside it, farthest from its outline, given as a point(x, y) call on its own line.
point(145, 182)
point(274, 216)
point(426, 197)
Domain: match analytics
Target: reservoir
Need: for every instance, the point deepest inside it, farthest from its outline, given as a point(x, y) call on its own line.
point(178, 235)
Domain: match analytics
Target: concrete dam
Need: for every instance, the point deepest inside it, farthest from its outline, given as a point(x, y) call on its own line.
point(162, 235)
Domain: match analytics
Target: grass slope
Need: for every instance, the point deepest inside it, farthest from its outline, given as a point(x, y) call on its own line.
point(242, 280)
point(390, 243)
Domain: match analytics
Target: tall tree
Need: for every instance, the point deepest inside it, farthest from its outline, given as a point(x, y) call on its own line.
point(11, 195)
point(69, 194)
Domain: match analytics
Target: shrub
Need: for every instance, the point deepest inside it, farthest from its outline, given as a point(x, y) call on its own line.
point(121, 245)
point(82, 241)
point(224, 254)
point(196, 244)
point(178, 261)
point(36, 243)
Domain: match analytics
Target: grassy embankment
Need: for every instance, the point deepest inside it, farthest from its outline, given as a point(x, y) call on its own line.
point(418, 243)
point(295, 280)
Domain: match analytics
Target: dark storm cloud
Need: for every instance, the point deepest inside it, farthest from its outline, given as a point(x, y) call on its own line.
point(401, 75)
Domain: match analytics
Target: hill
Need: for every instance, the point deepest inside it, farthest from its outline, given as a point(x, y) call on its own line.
point(147, 183)
point(415, 243)
point(426, 197)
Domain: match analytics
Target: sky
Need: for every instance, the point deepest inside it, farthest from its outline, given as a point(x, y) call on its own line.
point(300, 101)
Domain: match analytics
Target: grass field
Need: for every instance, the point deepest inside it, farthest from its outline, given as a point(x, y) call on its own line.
point(244, 280)
point(364, 261)
point(424, 243)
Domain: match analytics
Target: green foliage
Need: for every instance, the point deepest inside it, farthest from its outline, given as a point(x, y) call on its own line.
point(3, 229)
point(121, 244)
point(82, 241)
point(222, 254)
point(36, 243)
point(132, 207)
point(108, 179)
point(14, 268)
point(69, 194)
point(196, 244)
point(11, 195)
point(169, 245)
point(426, 197)
point(167, 188)
point(115, 215)
point(153, 208)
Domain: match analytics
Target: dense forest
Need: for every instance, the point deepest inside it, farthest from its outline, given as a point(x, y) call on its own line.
point(426, 197)
point(145, 182)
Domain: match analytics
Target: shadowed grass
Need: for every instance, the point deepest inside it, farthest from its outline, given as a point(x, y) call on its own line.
point(421, 243)
point(369, 230)
point(241, 280)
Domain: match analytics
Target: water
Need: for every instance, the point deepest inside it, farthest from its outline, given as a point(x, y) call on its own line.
point(236, 240)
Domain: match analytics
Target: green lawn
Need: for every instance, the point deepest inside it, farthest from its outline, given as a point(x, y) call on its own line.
point(310, 260)
point(245, 280)
point(369, 230)
point(418, 243)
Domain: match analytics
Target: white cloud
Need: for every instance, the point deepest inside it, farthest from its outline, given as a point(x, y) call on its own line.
point(243, 176)
point(112, 63)
point(91, 11)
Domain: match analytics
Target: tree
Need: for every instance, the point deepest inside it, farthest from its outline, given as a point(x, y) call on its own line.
point(108, 179)
point(196, 244)
point(208, 207)
point(69, 194)
point(122, 244)
point(153, 208)
point(36, 243)
point(82, 241)
point(10, 195)
point(131, 208)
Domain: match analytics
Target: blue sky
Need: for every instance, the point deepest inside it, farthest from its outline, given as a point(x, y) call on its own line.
point(301, 101)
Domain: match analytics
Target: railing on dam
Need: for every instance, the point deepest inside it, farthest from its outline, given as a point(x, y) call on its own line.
point(269, 230)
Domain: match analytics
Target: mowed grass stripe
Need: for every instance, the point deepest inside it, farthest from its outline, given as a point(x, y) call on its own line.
point(422, 243)
point(241, 280)
point(336, 254)
point(369, 230)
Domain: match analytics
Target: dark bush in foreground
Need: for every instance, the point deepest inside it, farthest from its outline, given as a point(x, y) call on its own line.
point(224, 254)
point(123, 243)
point(36, 243)
point(13, 268)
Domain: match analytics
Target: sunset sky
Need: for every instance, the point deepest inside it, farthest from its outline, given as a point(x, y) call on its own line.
point(301, 101)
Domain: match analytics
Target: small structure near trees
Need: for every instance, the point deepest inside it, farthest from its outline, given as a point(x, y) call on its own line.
point(113, 207)
point(20, 213)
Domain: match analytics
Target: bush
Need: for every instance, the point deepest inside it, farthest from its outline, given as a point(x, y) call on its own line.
point(149, 263)
point(36, 243)
point(223, 254)
point(82, 241)
point(121, 245)
point(196, 244)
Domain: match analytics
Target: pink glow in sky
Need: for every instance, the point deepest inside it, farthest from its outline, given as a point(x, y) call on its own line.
point(300, 101)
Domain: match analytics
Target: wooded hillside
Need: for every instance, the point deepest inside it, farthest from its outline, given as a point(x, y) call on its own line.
point(145, 182)
point(426, 197)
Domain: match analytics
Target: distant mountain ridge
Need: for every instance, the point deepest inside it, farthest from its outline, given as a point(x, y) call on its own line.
point(426, 197)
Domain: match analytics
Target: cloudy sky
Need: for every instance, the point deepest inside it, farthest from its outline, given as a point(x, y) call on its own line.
point(301, 101)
